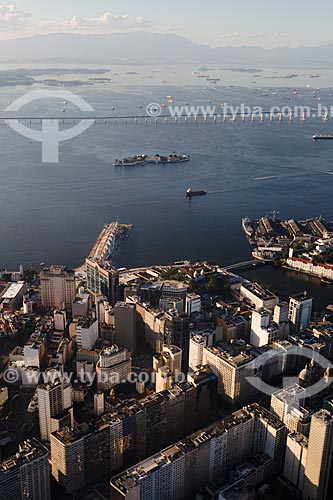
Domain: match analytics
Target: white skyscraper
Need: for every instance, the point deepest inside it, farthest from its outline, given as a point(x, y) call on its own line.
point(300, 310)
point(53, 398)
point(319, 459)
point(295, 459)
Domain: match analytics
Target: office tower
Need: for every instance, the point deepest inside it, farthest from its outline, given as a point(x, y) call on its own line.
point(35, 350)
point(125, 325)
point(192, 303)
point(25, 475)
point(295, 459)
point(319, 460)
point(81, 304)
point(232, 370)
point(164, 379)
point(287, 404)
point(57, 287)
point(150, 326)
point(262, 331)
point(102, 279)
point(113, 367)
point(197, 344)
point(99, 403)
point(258, 296)
point(53, 398)
point(86, 332)
point(177, 332)
point(281, 313)
point(300, 310)
point(60, 320)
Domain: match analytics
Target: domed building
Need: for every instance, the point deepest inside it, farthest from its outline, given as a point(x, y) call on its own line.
point(305, 376)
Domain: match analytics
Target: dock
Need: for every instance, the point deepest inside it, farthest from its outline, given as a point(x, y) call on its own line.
point(109, 243)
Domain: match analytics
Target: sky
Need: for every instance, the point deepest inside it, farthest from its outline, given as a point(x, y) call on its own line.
point(265, 23)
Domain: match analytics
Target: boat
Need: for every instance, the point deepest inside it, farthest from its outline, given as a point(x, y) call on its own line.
point(322, 137)
point(326, 281)
point(190, 193)
point(132, 161)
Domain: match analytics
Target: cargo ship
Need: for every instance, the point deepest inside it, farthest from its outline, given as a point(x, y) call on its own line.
point(322, 137)
point(132, 161)
point(190, 193)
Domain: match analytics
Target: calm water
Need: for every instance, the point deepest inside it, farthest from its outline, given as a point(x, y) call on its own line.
point(53, 213)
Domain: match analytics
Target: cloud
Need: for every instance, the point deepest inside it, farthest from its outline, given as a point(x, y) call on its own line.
point(104, 22)
point(12, 17)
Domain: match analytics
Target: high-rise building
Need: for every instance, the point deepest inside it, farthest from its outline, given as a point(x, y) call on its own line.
point(180, 470)
point(288, 405)
point(125, 325)
point(232, 372)
point(262, 331)
point(319, 459)
point(26, 475)
point(177, 332)
point(53, 398)
point(57, 287)
point(113, 367)
point(102, 279)
point(86, 332)
point(300, 310)
point(295, 459)
point(197, 344)
point(99, 403)
point(192, 303)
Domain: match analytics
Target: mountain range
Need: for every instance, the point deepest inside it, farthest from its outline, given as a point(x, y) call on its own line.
point(150, 48)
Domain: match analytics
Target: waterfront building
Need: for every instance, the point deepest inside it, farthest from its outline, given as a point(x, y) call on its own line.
point(26, 475)
point(300, 310)
point(319, 459)
point(258, 296)
point(310, 267)
point(57, 287)
point(102, 279)
point(125, 325)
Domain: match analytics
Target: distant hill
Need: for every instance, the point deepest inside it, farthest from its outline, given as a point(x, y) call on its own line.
point(149, 48)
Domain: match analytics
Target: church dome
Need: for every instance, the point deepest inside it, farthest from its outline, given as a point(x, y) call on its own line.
point(305, 375)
